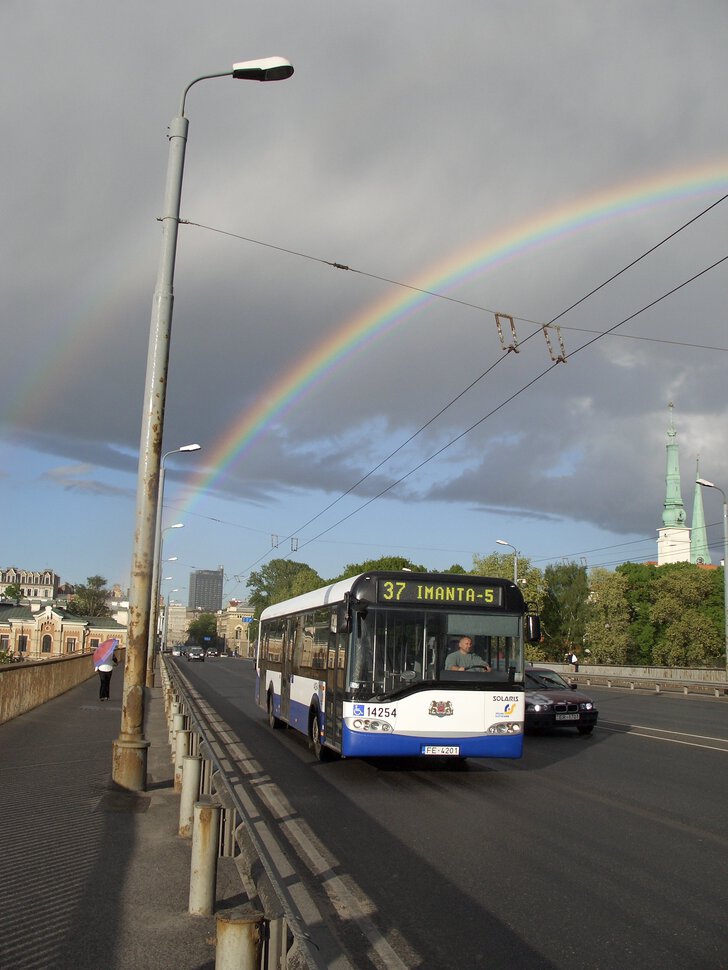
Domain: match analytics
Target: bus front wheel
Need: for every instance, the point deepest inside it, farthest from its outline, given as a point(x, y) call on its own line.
point(275, 722)
point(314, 733)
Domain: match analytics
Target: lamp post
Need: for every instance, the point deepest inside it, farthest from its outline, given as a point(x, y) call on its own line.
point(154, 601)
point(502, 542)
point(154, 605)
point(129, 768)
point(706, 484)
point(165, 621)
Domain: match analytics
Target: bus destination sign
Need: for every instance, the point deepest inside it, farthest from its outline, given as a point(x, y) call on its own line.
point(458, 594)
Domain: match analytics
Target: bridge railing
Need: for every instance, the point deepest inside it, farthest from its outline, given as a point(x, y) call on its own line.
point(267, 934)
point(26, 685)
point(685, 680)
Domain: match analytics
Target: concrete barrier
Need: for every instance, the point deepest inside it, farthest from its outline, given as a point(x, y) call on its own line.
point(26, 685)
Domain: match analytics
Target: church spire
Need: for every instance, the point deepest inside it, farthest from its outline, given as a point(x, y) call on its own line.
point(673, 515)
point(673, 540)
point(699, 551)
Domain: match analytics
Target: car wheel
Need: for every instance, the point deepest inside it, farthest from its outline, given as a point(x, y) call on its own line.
point(586, 729)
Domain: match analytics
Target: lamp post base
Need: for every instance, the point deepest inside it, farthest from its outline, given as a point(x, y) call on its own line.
point(129, 769)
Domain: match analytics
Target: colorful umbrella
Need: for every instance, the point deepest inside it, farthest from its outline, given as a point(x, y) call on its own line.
point(104, 652)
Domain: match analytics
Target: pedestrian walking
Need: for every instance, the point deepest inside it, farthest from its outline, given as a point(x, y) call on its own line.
point(574, 661)
point(105, 660)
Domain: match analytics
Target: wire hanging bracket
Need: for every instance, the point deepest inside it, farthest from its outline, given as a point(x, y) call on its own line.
point(556, 358)
point(499, 318)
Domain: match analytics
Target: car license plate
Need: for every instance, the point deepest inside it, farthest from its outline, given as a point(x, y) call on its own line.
point(448, 749)
point(567, 717)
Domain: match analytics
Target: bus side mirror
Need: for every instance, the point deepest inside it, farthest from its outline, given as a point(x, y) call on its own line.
point(533, 628)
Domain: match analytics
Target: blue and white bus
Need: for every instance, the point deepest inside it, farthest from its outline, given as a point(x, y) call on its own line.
point(364, 667)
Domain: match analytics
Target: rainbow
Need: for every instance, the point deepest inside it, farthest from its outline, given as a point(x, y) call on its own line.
point(390, 312)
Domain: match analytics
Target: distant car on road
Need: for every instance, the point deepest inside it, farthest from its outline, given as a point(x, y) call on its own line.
point(551, 702)
point(196, 653)
point(212, 652)
point(177, 650)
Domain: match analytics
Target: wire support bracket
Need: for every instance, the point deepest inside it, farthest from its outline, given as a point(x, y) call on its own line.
point(507, 348)
point(556, 358)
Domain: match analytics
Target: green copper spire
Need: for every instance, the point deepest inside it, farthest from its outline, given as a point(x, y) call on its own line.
point(699, 551)
point(673, 514)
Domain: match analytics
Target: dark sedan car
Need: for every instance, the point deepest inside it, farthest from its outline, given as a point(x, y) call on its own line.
point(195, 653)
point(551, 702)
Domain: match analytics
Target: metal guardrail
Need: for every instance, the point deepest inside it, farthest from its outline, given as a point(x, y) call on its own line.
point(267, 934)
point(685, 680)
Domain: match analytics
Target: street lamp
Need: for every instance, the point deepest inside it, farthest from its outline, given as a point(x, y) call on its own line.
point(165, 622)
point(129, 768)
point(154, 601)
point(502, 542)
point(704, 482)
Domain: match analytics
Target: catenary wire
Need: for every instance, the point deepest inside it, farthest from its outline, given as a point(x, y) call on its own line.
point(495, 410)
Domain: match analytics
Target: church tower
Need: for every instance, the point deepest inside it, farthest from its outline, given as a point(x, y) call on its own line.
point(699, 551)
point(673, 541)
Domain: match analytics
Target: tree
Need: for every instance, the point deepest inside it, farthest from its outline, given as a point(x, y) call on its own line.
point(91, 599)
point(393, 563)
point(564, 609)
point(687, 635)
point(13, 592)
point(530, 578)
point(639, 593)
point(279, 580)
point(607, 626)
point(203, 629)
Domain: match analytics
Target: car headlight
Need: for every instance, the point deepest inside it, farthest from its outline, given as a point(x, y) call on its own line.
point(538, 707)
point(587, 706)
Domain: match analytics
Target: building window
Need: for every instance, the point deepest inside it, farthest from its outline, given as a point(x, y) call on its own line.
point(70, 644)
point(4, 642)
point(22, 643)
point(94, 642)
point(47, 643)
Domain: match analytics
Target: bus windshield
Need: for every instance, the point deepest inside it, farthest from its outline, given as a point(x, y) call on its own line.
point(394, 649)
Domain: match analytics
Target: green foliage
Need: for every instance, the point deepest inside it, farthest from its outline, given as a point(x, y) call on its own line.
point(563, 615)
point(90, 599)
point(384, 562)
point(6, 657)
point(499, 565)
point(204, 625)
point(279, 580)
point(13, 592)
point(607, 624)
point(687, 634)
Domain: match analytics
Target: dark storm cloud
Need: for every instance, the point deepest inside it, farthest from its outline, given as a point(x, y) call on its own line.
point(399, 141)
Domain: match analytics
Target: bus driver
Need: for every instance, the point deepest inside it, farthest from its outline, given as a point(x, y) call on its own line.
point(463, 658)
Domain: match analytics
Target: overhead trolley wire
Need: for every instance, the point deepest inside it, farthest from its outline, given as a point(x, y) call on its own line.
point(437, 295)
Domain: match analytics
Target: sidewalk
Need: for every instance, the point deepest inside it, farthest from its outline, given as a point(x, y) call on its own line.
point(93, 878)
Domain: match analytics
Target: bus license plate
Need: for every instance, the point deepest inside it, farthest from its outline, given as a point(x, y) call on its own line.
point(447, 749)
point(567, 717)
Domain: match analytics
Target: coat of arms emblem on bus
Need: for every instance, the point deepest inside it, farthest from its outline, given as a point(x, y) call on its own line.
point(440, 708)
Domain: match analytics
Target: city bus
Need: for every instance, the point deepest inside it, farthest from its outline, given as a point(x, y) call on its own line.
point(364, 667)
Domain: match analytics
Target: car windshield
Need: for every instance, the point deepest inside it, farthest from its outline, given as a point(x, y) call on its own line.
point(545, 680)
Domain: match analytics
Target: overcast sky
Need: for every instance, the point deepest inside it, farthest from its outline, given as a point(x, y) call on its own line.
point(508, 156)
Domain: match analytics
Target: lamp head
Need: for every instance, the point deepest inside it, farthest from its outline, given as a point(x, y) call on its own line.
point(263, 69)
point(704, 481)
point(502, 542)
point(189, 448)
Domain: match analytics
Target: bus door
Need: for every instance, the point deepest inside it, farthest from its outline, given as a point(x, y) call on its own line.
point(335, 686)
point(289, 642)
